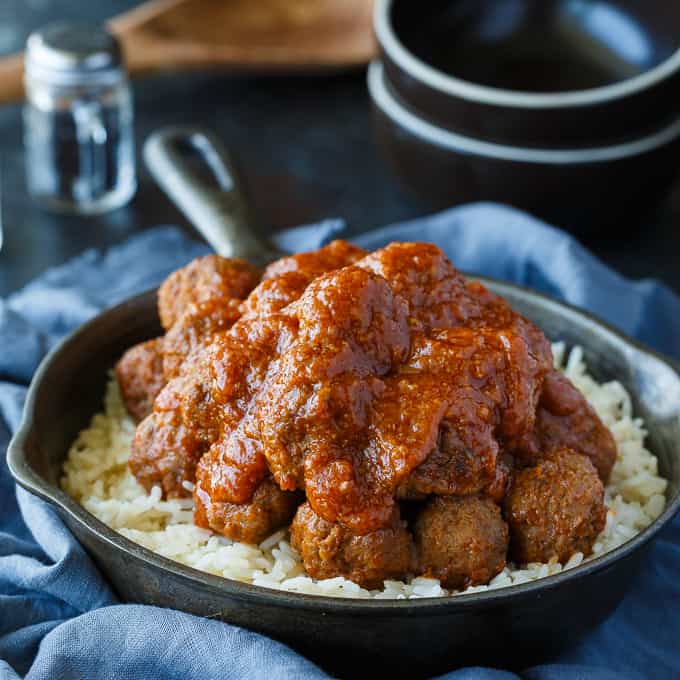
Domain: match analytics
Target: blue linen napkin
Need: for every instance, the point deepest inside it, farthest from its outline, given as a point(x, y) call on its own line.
point(60, 619)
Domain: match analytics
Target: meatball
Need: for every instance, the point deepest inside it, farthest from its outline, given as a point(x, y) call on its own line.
point(461, 541)
point(198, 323)
point(272, 295)
point(285, 280)
point(330, 550)
point(335, 255)
point(565, 419)
point(555, 509)
point(164, 453)
point(269, 510)
point(206, 278)
point(140, 377)
point(422, 275)
point(453, 468)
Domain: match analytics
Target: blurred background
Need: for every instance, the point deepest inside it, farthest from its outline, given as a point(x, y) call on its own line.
point(306, 146)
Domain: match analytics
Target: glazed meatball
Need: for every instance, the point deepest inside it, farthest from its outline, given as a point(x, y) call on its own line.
point(445, 471)
point(335, 255)
point(461, 541)
point(252, 522)
point(555, 509)
point(199, 322)
point(452, 469)
point(565, 419)
point(165, 454)
point(330, 550)
point(140, 377)
point(206, 278)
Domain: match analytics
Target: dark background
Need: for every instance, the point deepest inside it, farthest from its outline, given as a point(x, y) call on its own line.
point(305, 143)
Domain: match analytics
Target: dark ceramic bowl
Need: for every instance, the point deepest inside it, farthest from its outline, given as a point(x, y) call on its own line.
point(583, 190)
point(510, 627)
point(535, 73)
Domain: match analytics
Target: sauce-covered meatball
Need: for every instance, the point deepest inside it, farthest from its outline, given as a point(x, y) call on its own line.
point(454, 469)
point(461, 541)
point(335, 255)
point(207, 278)
point(250, 522)
point(164, 454)
point(329, 549)
point(555, 509)
point(140, 377)
point(565, 419)
point(196, 325)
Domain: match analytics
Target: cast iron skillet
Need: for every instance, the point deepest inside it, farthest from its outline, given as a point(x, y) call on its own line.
point(510, 627)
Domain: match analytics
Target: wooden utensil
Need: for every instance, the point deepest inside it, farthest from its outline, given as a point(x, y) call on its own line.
point(237, 35)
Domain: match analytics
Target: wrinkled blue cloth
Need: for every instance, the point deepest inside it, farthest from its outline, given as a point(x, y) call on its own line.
point(60, 619)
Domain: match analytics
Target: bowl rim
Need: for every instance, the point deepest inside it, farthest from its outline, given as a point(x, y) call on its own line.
point(436, 135)
point(484, 94)
point(26, 477)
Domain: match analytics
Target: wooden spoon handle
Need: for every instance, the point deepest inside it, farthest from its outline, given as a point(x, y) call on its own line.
point(11, 78)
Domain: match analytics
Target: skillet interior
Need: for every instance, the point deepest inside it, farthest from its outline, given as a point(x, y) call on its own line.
point(413, 637)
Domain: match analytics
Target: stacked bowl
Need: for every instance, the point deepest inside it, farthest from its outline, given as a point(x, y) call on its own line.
point(567, 108)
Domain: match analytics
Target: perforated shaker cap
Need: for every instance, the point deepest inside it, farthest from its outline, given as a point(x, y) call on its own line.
point(73, 54)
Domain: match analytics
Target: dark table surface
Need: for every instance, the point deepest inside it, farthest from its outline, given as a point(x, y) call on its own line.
point(305, 143)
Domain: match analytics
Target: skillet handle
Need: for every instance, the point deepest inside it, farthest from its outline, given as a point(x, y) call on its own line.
point(218, 207)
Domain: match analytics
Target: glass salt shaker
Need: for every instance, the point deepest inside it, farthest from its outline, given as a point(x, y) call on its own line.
point(78, 120)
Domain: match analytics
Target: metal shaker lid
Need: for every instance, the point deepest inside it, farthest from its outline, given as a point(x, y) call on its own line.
point(73, 54)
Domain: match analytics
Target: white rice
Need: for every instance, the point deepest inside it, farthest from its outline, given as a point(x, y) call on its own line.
point(97, 476)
